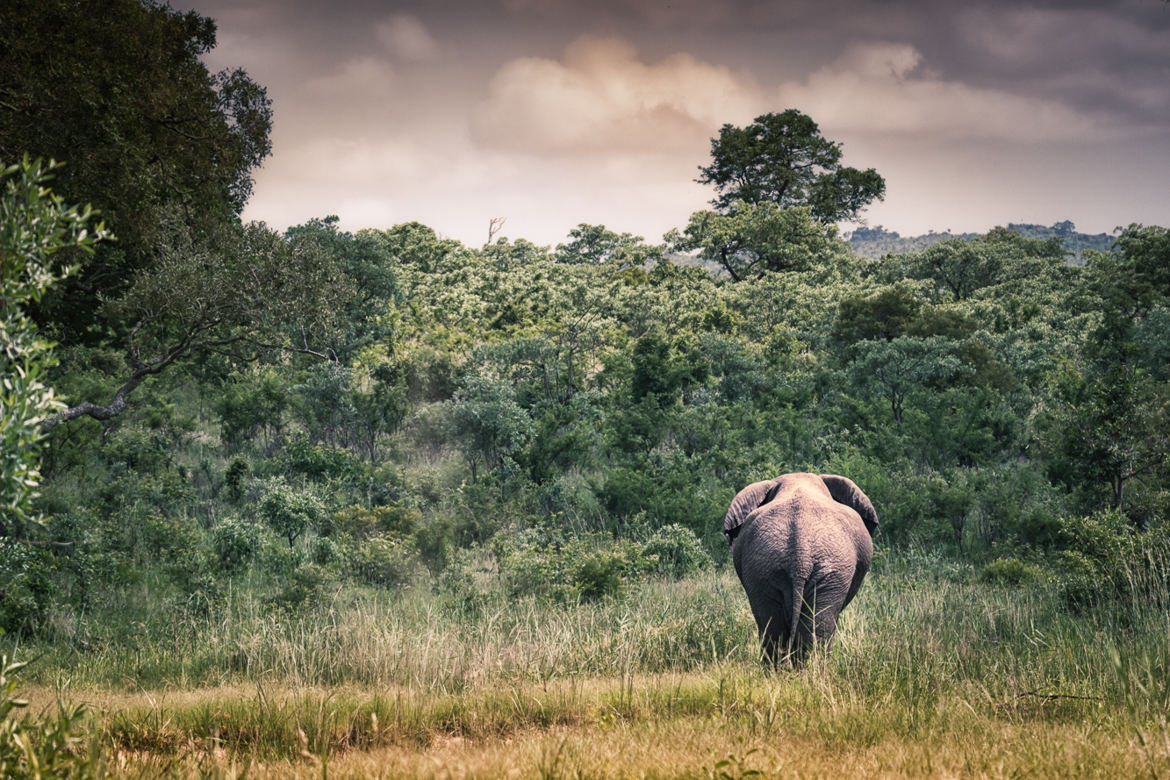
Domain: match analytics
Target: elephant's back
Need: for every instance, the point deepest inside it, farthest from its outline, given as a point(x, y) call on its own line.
point(801, 530)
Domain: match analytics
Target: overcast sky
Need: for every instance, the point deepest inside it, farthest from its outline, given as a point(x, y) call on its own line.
point(555, 112)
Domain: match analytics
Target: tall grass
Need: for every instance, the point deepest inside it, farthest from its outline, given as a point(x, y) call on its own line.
point(933, 672)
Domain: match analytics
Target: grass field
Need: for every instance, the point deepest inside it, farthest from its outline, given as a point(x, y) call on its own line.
point(934, 674)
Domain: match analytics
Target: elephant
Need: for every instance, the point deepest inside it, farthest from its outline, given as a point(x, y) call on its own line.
point(802, 543)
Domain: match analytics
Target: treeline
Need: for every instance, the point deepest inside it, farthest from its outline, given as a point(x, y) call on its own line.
point(874, 242)
point(286, 411)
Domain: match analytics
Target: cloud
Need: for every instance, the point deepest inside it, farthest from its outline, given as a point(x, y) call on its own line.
point(406, 38)
point(602, 98)
point(887, 88)
point(361, 79)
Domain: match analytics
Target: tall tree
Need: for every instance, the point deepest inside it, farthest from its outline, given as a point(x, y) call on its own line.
point(783, 159)
point(118, 90)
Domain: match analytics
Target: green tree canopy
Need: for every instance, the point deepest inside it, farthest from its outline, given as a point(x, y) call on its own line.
point(595, 244)
point(783, 159)
point(118, 89)
point(759, 237)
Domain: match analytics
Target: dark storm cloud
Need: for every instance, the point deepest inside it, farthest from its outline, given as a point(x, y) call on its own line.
point(444, 110)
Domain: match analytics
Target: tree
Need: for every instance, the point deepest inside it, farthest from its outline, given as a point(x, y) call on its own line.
point(290, 511)
point(35, 225)
point(414, 245)
point(1114, 424)
point(244, 292)
point(961, 267)
point(368, 315)
point(755, 238)
point(487, 423)
point(784, 159)
point(594, 245)
point(893, 369)
point(119, 90)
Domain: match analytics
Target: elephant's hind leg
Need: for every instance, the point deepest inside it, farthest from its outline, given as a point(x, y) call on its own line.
point(772, 610)
point(818, 619)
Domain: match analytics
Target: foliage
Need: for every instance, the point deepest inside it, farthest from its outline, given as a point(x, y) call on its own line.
point(541, 562)
point(119, 89)
point(488, 424)
point(44, 749)
point(388, 560)
point(25, 586)
point(783, 159)
point(676, 551)
point(35, 225)
point(595, 244)
point(758, 237)
point(1010, 572)
point(236, 542)
point(290, 511)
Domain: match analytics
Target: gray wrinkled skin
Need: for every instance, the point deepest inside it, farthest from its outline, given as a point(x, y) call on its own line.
point(802, 544)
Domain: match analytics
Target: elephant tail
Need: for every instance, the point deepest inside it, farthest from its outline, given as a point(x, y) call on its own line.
point(796, 607)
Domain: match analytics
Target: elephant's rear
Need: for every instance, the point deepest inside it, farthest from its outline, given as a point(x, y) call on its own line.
point(774, 571)
point(800, 560)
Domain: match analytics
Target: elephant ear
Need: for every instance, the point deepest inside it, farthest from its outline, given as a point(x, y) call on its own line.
point(845, 492)
point(745, 502)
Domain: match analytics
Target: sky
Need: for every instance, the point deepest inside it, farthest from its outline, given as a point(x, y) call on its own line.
point(551, 113)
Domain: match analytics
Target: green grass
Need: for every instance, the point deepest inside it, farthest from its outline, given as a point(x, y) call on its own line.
point(934, 672)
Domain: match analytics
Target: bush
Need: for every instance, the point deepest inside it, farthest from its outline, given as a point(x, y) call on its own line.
point(675, 551)
point(598, 574)
point(542, 562)
point(324, 551)
point(277, 559)
point(236, 542)
point(1010, 571)
point(24, 586)
point(235, 477)
point(289, 511)
point(385, 560)
point(320, 462)
point(1105, 558)
point(360, 522)
point(301, 589)
point(48, 747)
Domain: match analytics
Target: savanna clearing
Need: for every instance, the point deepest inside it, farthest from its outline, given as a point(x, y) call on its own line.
point(935, 673)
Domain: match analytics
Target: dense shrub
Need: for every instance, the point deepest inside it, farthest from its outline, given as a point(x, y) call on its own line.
point(360, 522)
point(675, 551)
point(1104, 557)
point(25, 586)
point(300, 590)
point(320, 462)
point(568, 568)
point(235, 478)
point(386, 560)
point(1010, 571)
point(236, 542)
point(290, 511)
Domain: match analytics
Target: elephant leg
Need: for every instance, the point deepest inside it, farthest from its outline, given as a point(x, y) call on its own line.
point(818, 618)
point(772, 642)
point(772, 608)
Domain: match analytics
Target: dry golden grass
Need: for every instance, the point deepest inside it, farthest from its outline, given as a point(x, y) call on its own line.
point(934, 674)
point(786, 724)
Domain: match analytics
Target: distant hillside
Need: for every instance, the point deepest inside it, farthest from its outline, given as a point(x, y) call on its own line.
point(873, 242)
